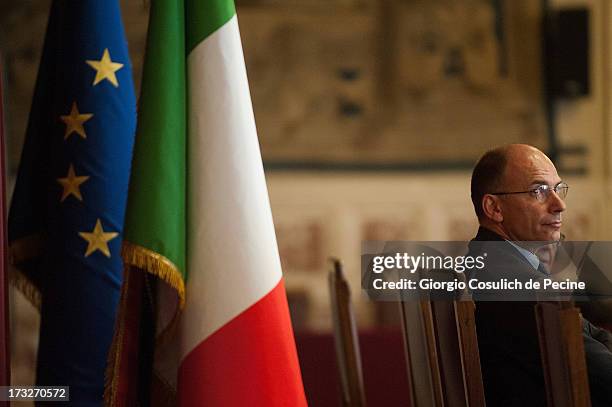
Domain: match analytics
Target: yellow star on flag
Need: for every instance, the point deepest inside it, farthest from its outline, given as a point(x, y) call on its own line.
point(71, 184)
point(97, 239)
point(105, 69)
point(74, 122)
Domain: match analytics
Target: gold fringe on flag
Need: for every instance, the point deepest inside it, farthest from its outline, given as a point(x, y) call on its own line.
point(26, 287)
point(156, 264)
point(138, 259)
point(21, 250)
point(112, 373)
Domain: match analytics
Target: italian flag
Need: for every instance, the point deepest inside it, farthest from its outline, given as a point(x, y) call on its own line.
point(199, 220)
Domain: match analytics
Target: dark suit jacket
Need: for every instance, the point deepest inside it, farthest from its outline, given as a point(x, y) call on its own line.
point(509, 347)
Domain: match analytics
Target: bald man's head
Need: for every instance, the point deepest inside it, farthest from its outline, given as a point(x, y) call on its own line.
point(490, 172)
point(503, 185)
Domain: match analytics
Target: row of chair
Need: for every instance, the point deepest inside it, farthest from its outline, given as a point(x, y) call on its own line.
point(441, 351)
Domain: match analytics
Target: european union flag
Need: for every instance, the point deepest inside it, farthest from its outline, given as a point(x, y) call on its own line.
point(67, 212)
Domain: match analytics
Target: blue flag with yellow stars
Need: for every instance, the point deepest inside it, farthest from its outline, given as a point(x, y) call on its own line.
point(67, 211)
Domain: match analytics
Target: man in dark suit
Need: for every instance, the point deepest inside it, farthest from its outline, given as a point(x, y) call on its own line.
point(519, 198)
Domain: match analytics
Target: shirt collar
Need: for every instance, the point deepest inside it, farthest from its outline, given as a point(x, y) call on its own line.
point(531, 258)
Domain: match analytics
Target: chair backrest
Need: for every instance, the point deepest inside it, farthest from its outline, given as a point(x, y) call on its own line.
point(459, 359)
point(470, 357)
point(442, 352)
point(346, 339)
point(563, 357)
point(421, 354)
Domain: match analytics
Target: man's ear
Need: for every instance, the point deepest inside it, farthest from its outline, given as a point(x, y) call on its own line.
point(491, 206)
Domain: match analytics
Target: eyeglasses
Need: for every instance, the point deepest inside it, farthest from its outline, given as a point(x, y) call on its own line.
point(542, 192)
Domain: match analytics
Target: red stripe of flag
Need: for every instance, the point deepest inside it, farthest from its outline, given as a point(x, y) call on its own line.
point(250, 361)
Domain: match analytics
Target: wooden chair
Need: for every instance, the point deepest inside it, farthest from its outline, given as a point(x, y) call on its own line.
point(442, 352)
point(563, 357)
point(458, 351)
point(346, 339)
point(421, 354)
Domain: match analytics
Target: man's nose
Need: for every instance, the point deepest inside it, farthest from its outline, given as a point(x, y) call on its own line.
point(556, 204)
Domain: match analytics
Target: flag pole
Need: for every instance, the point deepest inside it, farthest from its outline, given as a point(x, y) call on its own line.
point(5, 364)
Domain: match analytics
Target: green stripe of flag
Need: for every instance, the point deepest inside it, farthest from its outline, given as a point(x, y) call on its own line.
point(155, 217)
point(206, 17)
